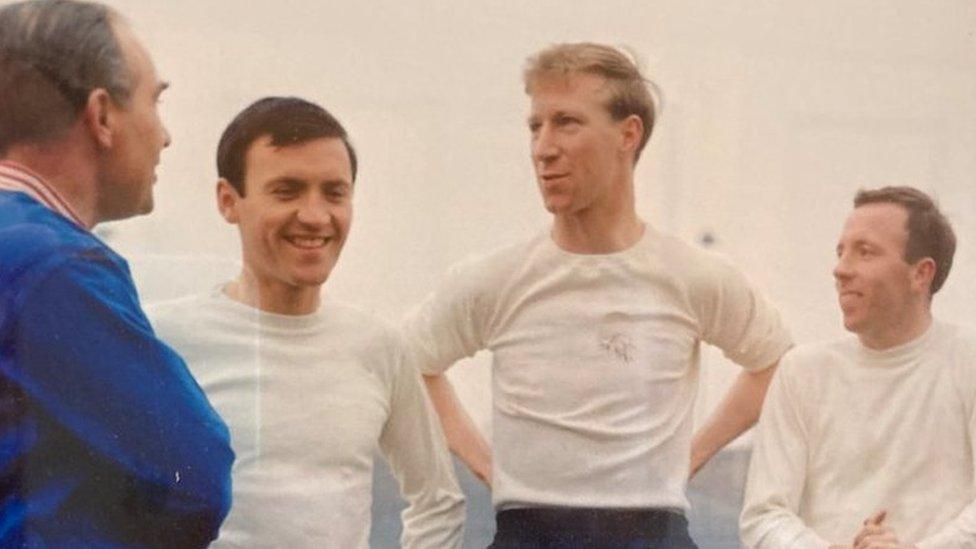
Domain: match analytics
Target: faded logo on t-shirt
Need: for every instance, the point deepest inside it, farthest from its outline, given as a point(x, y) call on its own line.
point(614, 337)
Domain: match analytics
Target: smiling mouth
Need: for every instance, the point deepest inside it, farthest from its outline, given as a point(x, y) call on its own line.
point(553, 177)
point(308, 242)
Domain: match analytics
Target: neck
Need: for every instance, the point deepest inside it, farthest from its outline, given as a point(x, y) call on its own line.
point(604, 227)
point(66, 169)
point(910, 327)
point(273, 296)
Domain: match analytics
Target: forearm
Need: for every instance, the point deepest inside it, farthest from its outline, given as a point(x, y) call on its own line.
point(737, 412)
point(438, 524)
point(960, 532)
point(769, 524)
point(463, 437)
point(415, 447)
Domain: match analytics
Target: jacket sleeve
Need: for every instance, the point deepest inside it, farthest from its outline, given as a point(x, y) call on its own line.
point(88, 359)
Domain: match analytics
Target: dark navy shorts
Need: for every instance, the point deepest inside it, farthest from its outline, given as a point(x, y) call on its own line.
point(583, 528)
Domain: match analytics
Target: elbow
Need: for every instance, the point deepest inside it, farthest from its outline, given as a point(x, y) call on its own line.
point(211, 489)
point(221, 484)
point(438, 523)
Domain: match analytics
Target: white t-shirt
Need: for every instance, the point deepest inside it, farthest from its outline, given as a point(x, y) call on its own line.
point(847, 431)
point(595, 362)
point(309, 400)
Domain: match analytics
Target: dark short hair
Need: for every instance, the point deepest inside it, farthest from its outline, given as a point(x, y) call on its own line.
point(53, 54)
point(288, 120)
point(929, 232)
point(629, 93)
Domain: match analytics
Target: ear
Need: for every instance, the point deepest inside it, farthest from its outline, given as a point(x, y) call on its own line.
point(227, 200)
point(923, 272)
point(98, 117)
point(631, 132)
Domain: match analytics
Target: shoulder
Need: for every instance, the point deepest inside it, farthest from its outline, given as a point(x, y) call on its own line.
point(696, 267)
point(477, 279)
point(44, 249)
point(33, 237)
point(375, 342)
point(365, 329)
point(805, 364)
point(706, 280)
point(961, 335)
point(957, 347)
point(500, 262)
point(171, 314)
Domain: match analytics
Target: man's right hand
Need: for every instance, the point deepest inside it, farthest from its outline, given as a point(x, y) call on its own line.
point(482, 471)
point(875, 535)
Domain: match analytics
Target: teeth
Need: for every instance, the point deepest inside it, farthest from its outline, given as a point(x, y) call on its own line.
point(307, 241)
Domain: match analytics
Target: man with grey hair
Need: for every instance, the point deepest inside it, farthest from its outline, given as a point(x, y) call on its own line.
point(106, 438)
point(595, 326)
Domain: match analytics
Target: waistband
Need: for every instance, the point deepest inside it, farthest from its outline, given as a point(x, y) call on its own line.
point(580, 523)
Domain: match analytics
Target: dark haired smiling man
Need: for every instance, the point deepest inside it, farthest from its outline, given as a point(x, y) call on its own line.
point(311, 388)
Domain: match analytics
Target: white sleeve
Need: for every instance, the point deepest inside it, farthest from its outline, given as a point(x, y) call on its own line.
point(449, 324)
point(960, 532)
point(736, 318)
point(777, 474)
point(414, 445)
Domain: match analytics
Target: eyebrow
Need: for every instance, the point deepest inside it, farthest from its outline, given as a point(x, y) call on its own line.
point(537, 117)
point(284, 180)
point(856, 243)
point(161, 87)
point(295, 181)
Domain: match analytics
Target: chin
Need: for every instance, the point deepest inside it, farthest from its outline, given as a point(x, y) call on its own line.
point(311, 279)
point(557, 207)
point(851, 325)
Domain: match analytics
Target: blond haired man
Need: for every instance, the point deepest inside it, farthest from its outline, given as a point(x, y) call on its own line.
point(595, 326)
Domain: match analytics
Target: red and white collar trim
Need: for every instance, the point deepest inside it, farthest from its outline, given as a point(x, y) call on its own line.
point(15, 177)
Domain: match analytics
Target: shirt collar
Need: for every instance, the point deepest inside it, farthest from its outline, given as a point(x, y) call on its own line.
point(15, 177)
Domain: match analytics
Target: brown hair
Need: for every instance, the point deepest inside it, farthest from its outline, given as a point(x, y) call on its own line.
point(629, 92)
point(929, 232)
point(288, 121)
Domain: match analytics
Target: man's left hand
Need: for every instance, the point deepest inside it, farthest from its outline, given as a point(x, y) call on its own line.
point(875, 535)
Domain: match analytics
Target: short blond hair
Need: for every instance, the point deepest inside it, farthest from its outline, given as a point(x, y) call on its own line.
point(629, 93)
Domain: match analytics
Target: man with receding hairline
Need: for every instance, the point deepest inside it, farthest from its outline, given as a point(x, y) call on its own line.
point(868, 442)
point(594, 326)
point(107, 440)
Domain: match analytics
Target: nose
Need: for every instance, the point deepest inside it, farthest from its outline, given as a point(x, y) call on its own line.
point(545, 147)
point(843, 270)
point(314, 211)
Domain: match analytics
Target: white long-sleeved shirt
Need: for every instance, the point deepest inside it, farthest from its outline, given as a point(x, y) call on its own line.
point(595, 362)
point(309, 400)
point(847, 431)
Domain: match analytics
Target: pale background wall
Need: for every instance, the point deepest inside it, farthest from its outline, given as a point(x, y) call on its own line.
point(775, 112)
